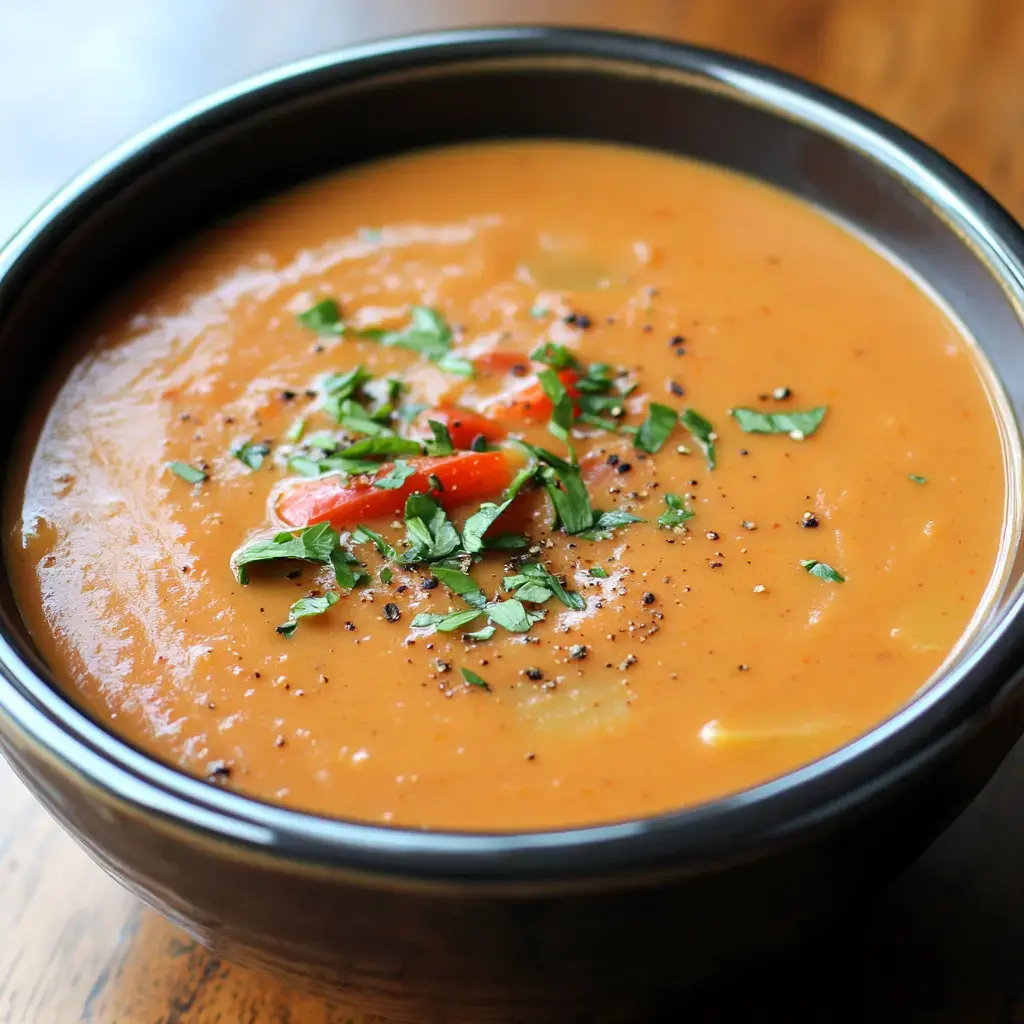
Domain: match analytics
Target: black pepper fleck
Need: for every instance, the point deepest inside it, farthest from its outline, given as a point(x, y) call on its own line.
point(392, 612)
point(649, 598)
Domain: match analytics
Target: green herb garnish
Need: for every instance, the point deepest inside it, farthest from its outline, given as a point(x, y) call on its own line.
point(485, 633)
point(446, 623)
point(511, 615)
point(605, 523)
point(598, 572)
point(364, 535)
point(676, 513)
point(655, 430)
point(396, 476)
point(324, 317)
point(486, 515)
point(381, 444)
point(474, 680)
point(348, 570)
point(534, 583)
point(190, 474)
point(797, 424)
point(305, 607)
point(294, 433)
point(702, 432)
point(821, 570)
point(558, 357)
point(441, 441)
point(562, 412)
point(462, 584)
point(430, 533)
point(251, 453)
point(313, 544)
point(386, 576)
point(918, 479)
point(567, 491)
point(429, 335)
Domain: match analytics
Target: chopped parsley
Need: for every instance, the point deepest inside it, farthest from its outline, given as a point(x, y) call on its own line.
point(797, 424)
point(562, 412)
point(462, 584)
point(251, 453)
point(702, 432)
point(485, 633)
point(428, 530)
point(313, 544)
point(472, 679)
point(305, 607)
point(534, 583)
point(511, 615)
point(486, 515)
point(558, 357)
point(295, 431)
point(446, 623)
point(348, 570)
point(429, 335)
point(190, 474)
point(386, 576)
point(567, 491)
point(396, 476)
point(822, 570)
point(656, 429)
point(598, 572)
point(605, 523)
point(324, 317)
point(381, 445)
point(676, 513)
point(917, 479)
point(441, 441)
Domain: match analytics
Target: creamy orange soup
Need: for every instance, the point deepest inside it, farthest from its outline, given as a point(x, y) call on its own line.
point(777, 513)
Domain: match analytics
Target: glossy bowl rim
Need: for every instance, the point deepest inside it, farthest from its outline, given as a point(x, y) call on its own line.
point(687, 839)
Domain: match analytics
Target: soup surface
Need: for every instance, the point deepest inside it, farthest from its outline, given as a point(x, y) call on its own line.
point(804, 437)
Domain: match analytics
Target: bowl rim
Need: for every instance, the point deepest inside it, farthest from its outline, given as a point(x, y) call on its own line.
point(726, 828)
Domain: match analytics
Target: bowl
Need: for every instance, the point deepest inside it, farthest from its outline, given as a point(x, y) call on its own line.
point(591, 923)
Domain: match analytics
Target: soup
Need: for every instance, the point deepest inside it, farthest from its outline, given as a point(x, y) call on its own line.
point(509, 486)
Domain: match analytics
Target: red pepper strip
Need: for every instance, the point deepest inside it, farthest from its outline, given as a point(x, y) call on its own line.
point(346, 502)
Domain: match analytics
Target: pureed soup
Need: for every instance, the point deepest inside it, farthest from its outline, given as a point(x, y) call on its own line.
point(509, 486)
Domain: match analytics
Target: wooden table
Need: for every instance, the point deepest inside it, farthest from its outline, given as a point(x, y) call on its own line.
point(947, 942)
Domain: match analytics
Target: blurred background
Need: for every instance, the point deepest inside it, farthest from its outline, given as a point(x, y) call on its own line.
point(78, 77)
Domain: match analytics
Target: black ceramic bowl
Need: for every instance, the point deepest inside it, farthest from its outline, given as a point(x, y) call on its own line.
point(556, 926)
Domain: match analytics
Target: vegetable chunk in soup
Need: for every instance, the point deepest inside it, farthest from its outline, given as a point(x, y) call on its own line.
point(509, 486)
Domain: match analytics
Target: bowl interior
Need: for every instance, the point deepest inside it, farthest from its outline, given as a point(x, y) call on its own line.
point(327, 113)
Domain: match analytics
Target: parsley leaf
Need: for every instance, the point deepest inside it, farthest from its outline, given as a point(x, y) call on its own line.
point(511, 615)
point(344, 385)
point(797, 424)
point(599, 572)
point(918, 479)
point(655, 430)
point(381, 445)
point(348, 570)
point(462, 584)
point(821, 570)
point(676, 513)
point(303, 608)
point(363, 535)
point(481, 634)
point(190, 474)
point(428, 334)
point(487, 514)
point(562, 412)
point(558, 357)
point(533, 579)
point(703, 433)
point(313, 544)
point(251, 453)
point(567, 491)
point(354, 417)
point(304, 465)
point(324, 317)
point(395, 477)
point(441, 443)
point(474, 680)
point(606, 522)
point(446, 623)
point(294, 433)
point(430, 534)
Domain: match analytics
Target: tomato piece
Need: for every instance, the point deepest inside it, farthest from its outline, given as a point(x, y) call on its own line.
point(465, 425)
point(529, 403)
point(346, 502)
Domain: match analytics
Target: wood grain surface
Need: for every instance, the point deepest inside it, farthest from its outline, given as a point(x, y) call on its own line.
point(946, 943)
